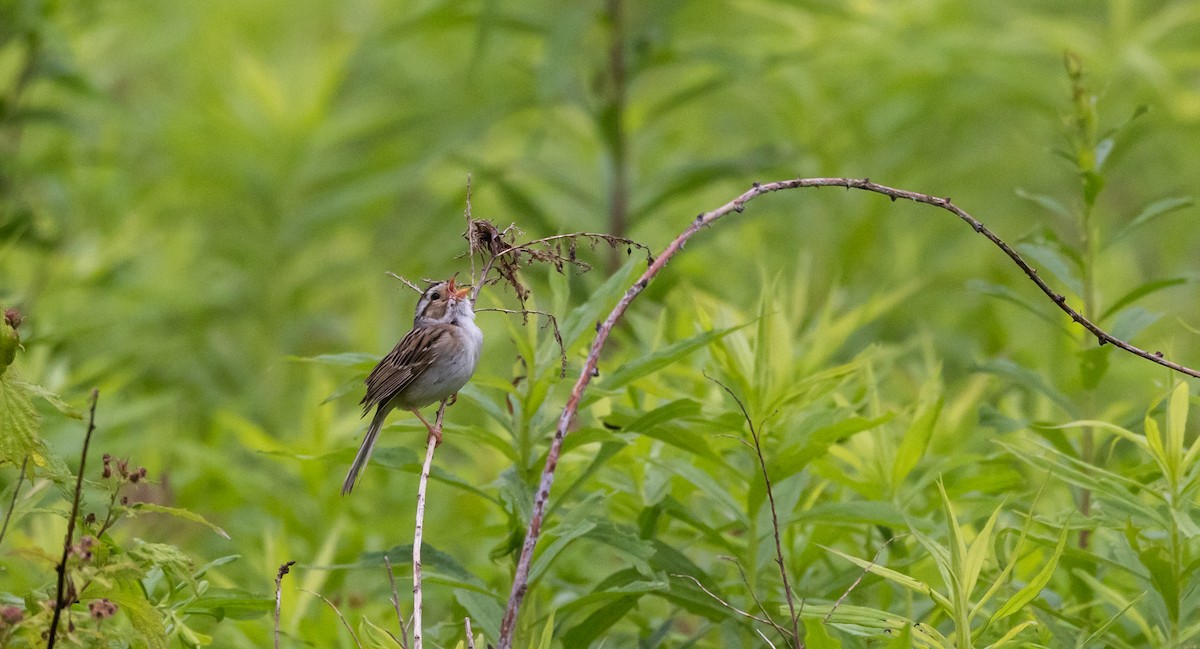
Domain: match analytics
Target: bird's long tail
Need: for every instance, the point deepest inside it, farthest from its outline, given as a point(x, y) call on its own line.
point(364, 451)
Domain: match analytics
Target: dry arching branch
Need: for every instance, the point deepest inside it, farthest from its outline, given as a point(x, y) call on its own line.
point(589, 370)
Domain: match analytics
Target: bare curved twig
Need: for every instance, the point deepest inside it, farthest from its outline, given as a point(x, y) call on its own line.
point(589, 370)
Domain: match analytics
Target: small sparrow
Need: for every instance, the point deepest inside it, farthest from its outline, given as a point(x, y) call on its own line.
point(431, 363)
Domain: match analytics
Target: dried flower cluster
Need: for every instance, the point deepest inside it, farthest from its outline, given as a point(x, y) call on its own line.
point(499, 249)
point(120, 468)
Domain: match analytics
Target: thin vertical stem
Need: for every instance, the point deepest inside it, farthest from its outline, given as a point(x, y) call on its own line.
point(614, 125)
point(418, 529)
point(12, 505)
point(59, 604)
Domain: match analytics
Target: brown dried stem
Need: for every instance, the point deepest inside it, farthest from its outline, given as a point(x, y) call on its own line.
point(59, 604)
point(762, 463)
point(741, 571)
point(745, 614)
point(403, 639)
point(470, 633)
point(589, 370)
point(552, 322)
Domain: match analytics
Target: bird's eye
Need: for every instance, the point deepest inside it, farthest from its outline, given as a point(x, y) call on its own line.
point(435, 296)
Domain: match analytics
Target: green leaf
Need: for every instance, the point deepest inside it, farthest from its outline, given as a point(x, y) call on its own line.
point(1051, 204)
point(901, 640)
point(148, 624)
point(978, 553)
point(599, 622)
point(1008, 295)
point(895, 577)
point(1021, 376)
point(547, 638)
point(1150, 213)
point(637, 368)
point(1176, 429)
point(237, 604)
point(1051, 259)
point(178, 513)
point(1010, 634)
point(916, 438)
point(19, 426)
point(483, 609)
point(445, 565)
point(347, 359)
point(584, 317)
point(1033, 588)
point(1142, 291)
point(816, 635)
point(1131, 321)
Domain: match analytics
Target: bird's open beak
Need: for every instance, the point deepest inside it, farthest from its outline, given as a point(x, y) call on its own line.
point(455, 290)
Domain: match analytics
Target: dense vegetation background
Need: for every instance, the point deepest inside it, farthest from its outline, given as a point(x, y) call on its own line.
point(195, 197)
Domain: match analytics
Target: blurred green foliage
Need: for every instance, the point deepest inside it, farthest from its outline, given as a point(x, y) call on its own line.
point(195, 197)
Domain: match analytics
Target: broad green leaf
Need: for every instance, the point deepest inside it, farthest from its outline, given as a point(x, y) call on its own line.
point(483, 609)
point(1116, 599)
point(1008, 637)
point(1028, 379)
point(1123, 433)
point(584, 317)
point(895, 577)
point(1050, 203)
point(1142, 291)
point(236, 604)
point(1051, 259)
point(1131, 321)
point(637, 368)
point(816, 635)
point(916, 438)
point(1176, 425)
point(50, 398)
point(547, 637)
point(902, 639)
point(348, 359)
point(855, 512)
point(818, 442)
point(955, 570)
point(148, 624)
point(1033, 588)
point(432, 558)
point(599, 622)
point(19, 426)
point(1009, 295)
point(177, 513)
point(886, 622)
point(1149, 213)
point(978, 552)
point(1121, 493)
point(1155, 443)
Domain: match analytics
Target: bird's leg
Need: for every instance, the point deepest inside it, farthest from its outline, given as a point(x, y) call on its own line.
point(436, 431)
